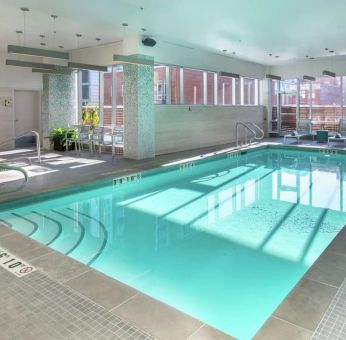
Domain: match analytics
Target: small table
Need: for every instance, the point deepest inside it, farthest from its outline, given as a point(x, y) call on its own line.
point(322, 136)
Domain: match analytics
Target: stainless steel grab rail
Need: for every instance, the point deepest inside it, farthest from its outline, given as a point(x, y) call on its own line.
point(38, 143)
point(256, 127)
point(6, 167)
point(247, 128)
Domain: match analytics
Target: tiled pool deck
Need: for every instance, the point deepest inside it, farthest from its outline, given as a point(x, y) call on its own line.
point(66, 300)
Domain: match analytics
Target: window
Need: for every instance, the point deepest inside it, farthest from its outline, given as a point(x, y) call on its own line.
point(107, 97)
point(175, 85)
point(288, 105)
point(211, 88)
point(193, 87)
point(118, 74)
point(249, 91)
point(238, 91)
point(326, 103)
point(85, 93)
point(160, 84)
point(225, 90)
point(90, 92)
point(274, 89)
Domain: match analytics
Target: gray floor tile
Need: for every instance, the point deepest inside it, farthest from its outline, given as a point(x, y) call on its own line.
point(339, 243)
point(105, 291)
point(329, 268)
point(18, 244)
point(160, 320)
point(275, 329)
point(4, 230)
point(59, 267)
point(209, 333)
point(306, 304)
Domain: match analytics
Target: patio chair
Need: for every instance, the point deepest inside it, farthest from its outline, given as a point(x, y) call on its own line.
point(303, 130)
point(84, 137)
point(97, 137)
point(117, 140)
point(341, 135)
point(72, 139)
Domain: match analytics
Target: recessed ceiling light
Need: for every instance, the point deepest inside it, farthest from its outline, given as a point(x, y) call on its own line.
point(277, 56)
point(61, 46)
point(98, 39)
point(142, 8)
point(233, 52)
point(42, 36)
point(224, 50)
point(306, 56)
point(331, 51)
point(143, 29)
point(270, 54)
point(54, 16)
point(125, 24)
point(19, 32)
point(326, 48)
point(25, 9)
point(78, 35)
point(43, 44)
point(312, 58)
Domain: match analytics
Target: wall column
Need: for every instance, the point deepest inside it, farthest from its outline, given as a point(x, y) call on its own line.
point(57, 104)
point(139, 121)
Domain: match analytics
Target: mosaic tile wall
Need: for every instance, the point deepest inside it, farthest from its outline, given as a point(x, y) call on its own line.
point(139, 123)
point(57, 103)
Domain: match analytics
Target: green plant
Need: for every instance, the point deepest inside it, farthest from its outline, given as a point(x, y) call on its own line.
point(86, 114)
point(57, 135)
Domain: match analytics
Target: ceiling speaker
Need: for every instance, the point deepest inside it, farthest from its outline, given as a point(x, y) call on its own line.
point(149, 42)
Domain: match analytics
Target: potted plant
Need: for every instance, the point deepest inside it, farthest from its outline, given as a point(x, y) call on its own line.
point(58, 138)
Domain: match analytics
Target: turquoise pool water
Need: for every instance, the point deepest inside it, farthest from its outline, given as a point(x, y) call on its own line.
point(223, 241)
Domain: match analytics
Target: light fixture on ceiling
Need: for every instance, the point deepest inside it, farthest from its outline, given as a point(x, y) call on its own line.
point(224, 50)
point(272, 76)
point(234, 53)
point(277, 56)
point(37, 52)
point(229, 75)
point(61, 46)
point(19, 34)
point(98, 39)
point(310, 78)
point(80, 66)
point(143, 29)
point(328, 73)
point(133, 59)
point(270, 54)
point(78, 36)
point(21, 63)
point(25, 10)
point(58, 70)
point(54, 17)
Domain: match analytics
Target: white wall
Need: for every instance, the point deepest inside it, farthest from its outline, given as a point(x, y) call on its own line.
point(310, 68)
point(179, 129)
point(6, 118)
point(18, 78)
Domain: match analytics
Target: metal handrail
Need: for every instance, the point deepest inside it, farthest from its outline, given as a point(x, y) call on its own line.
point(38, 143)
point(6, 167)
point(247, 128)
point(257, 128)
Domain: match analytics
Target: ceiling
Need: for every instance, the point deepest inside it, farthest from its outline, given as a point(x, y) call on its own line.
point(252, 29)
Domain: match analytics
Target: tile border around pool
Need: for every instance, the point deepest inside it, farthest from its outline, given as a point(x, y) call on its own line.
point(285, 321)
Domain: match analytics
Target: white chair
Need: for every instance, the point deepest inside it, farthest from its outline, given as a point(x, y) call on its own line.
point(303, 130)
point(72, 139)
point(97, 137)
point(117, 140)
point(84, 137)
point(341, 135)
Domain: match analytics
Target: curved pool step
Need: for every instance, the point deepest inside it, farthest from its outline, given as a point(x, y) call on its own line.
point(32, 223)
point(104, 230)
point(8, 224)
point(69, 224)
point(57, 223)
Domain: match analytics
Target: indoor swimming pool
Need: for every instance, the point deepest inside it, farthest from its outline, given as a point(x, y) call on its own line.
point(223, 239)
